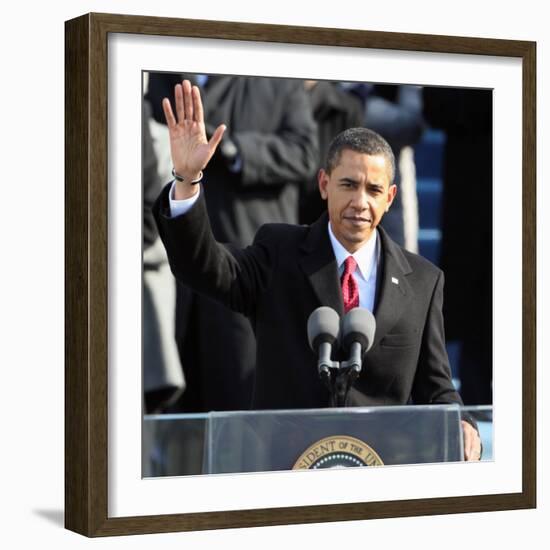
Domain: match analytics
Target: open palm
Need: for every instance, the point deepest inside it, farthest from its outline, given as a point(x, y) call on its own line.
point(189, 147)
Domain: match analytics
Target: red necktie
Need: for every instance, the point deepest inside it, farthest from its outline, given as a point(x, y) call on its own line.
point(350, 290)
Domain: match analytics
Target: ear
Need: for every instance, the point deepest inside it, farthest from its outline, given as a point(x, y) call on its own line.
point(322, 179)
point(392, 191)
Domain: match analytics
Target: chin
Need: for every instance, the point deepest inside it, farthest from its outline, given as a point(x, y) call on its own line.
point(354, 241)
point(360, 236)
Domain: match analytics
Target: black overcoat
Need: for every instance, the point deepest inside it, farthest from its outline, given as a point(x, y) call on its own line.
point(287, 273)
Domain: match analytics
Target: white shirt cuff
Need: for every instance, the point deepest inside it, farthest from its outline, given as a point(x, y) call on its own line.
point(180, 207)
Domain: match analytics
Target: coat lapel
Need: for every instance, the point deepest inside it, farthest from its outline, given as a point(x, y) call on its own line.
point(319, 265)
point(395, 292)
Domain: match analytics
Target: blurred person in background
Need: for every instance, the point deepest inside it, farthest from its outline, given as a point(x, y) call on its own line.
point(268, 151)
point(395, 112)
point(162, 374)
point(334, 110)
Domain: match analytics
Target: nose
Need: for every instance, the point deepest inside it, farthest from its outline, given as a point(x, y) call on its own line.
point(360, 200)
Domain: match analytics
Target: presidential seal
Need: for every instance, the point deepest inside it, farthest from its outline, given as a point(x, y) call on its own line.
point(340, 451)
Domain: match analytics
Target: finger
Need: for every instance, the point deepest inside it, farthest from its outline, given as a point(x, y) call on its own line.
point(473, 450)
point(476, 448)
point(168, 114)
point(467, 440)
point(197, 104)
point(187, 101)
point(216, 138)
point(468, 447)
point(179, 103)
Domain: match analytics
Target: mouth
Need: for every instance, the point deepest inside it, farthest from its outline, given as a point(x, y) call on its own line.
point(358, 221)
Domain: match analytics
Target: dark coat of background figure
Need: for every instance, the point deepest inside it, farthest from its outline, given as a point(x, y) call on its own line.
point(395, 112)
point(290, 271)
point(268, 151)
point(162, 377)
point(151, 181)
point(334, 111)
point(155, 392)
point(467, 246)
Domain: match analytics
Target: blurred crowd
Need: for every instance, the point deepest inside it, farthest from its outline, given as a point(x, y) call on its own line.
point(197, 355)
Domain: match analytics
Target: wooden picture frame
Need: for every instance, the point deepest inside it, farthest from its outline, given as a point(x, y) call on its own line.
point(86, 279)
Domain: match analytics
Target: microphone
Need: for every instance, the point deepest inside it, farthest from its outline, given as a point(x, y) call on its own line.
point(323, 327)
point(357, 333)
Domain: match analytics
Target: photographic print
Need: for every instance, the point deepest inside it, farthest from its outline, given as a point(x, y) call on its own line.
point(155, 442)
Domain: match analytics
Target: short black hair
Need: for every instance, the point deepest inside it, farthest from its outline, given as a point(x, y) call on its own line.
point(360, 140)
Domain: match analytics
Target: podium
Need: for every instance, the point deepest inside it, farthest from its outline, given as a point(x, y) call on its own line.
point(259, 441)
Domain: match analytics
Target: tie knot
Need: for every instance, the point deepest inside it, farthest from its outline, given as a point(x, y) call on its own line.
point(349, 265)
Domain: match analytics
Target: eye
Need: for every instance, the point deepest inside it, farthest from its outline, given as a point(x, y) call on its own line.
point(348, 184)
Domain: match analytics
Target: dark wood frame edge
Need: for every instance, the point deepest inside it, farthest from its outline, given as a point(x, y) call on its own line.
point(86, 423)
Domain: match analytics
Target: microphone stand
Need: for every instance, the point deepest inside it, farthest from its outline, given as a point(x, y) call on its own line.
point(327, 368)
point(347, 374)
point(339, 377)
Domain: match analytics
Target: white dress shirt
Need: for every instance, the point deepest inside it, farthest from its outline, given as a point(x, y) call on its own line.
point(366, 257)
point(367, 266)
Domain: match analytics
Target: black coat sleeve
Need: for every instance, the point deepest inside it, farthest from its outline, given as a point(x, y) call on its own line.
point(233, 276)
point(433, 381)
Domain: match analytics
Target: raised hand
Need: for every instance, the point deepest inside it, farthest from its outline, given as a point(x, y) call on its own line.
point(189, 148)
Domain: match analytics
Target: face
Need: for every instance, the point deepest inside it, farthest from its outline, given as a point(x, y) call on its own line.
point(359, 192)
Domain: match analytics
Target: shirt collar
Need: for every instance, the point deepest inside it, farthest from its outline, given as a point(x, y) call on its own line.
point(366, 257)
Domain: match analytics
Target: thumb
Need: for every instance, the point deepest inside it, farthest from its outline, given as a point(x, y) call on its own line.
point(216, 138)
